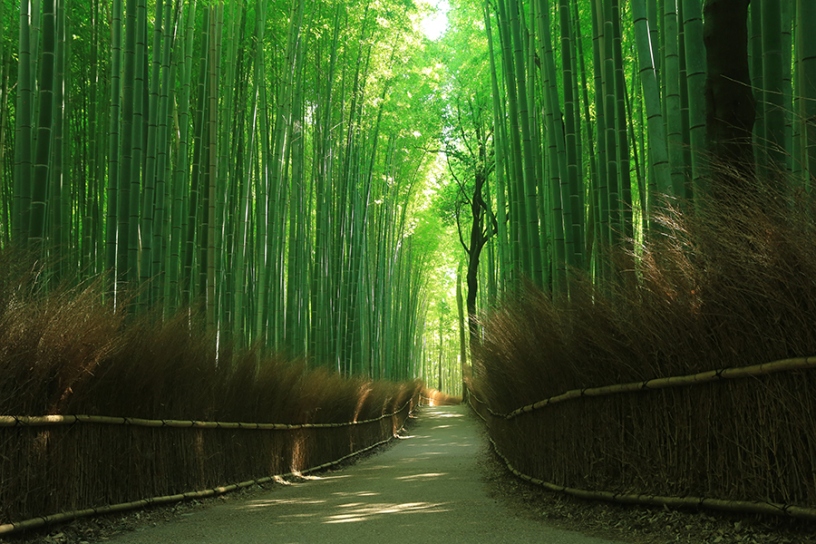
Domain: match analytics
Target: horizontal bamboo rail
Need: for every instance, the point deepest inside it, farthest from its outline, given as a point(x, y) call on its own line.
point(753, 507)
point(749, 507)
point(57, 420)
point(729, 373)
point(34, 523)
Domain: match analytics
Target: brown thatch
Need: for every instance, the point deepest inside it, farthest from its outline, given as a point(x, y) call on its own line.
point(729, 287)
point(67, 352)
point(400, 416)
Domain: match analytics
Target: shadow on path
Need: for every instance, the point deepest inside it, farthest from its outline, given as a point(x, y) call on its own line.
point(428, 487)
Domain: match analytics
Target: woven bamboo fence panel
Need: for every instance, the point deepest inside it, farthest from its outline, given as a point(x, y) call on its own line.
point(54, 464)
point(742, 439)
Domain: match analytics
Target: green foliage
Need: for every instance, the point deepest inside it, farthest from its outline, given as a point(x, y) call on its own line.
point(257, 160)
point(278, 163)
point(67, 352)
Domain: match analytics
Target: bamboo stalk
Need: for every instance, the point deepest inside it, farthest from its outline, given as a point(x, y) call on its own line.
point(730, 373)
point(56, 420)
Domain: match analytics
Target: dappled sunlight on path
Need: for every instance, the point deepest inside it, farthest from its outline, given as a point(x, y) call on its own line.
point(428, 485)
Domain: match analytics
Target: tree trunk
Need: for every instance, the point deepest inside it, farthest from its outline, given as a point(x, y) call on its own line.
point(730, 104)
point(460, 307)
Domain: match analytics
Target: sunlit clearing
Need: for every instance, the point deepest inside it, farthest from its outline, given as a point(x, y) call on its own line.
point(298, 454)
point(357, 512)
point(435, 23)
point(281, 502)
point(308, 477)
point(326, 477)
point(362, 395)
point(422, 476)
point(355, 494)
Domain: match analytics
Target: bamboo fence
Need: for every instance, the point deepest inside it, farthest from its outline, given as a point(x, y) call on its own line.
point(739, 439)
point(83, 465)
point(56, 420)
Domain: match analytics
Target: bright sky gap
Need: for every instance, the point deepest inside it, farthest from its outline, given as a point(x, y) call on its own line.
point(435, 23)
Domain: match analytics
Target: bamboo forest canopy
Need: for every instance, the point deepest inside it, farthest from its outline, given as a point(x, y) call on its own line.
point(309, 175)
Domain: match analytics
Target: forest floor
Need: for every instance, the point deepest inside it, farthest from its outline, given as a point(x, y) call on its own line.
point(439, 482)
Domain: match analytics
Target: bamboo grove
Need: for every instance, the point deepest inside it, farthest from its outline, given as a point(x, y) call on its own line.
point(255, 160)
point(601, 119)
point(266, 161)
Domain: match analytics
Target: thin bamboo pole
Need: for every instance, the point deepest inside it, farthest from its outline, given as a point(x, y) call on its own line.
point(55, 420)
point(730, 373)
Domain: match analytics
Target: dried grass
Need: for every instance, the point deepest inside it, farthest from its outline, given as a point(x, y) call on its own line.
point(728, 286)
point(435, 397)
point(68, 352)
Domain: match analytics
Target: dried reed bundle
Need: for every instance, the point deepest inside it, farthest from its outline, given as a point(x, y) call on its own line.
point(301, 464)
point(67, 351)
point(730, 287)
point(434, 397)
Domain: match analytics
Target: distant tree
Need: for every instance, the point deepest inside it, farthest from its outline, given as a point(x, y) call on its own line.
point(470, 162)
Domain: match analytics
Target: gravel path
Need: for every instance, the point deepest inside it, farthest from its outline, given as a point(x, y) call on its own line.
point(428, 487)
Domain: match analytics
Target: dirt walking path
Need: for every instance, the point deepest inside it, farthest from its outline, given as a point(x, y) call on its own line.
point(426, 488)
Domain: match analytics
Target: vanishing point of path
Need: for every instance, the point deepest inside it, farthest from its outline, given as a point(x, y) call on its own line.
point(426, 488)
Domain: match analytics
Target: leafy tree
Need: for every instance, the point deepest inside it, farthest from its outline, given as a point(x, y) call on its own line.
point(469, 158)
